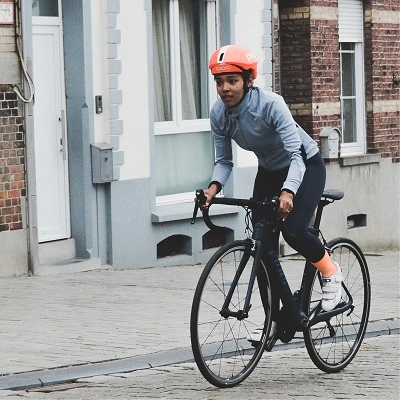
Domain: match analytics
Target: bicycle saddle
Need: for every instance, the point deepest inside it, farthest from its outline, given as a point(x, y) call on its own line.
point(333, 194)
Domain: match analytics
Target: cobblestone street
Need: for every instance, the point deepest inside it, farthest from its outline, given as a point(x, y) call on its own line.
point(288, 374)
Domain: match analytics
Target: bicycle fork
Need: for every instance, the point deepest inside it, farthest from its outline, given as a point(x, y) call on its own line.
point(258, 251)
point(244, 313)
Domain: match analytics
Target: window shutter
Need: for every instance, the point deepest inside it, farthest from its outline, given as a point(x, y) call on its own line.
point(351, 20)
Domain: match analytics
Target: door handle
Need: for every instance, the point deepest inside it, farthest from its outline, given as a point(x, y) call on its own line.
point(63, 141)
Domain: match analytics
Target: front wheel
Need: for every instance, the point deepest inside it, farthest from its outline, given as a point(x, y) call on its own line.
point(333, 344)
point(222, 346)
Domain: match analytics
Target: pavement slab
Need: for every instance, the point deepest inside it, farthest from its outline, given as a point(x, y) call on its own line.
point(57, 325)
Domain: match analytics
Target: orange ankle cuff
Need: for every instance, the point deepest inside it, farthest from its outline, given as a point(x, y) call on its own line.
point(325, 265)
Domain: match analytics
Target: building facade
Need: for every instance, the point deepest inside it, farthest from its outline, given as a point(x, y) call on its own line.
point(105, 136)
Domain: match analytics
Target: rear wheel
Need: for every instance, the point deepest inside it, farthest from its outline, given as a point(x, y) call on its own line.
point(333, 344)
point(222, 346)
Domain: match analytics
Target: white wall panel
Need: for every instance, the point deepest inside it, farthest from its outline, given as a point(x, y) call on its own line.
point(249, 31)
point(134, 81)
point(100, 77)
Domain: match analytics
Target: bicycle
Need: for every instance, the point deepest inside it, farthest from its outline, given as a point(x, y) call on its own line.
point(243, 287)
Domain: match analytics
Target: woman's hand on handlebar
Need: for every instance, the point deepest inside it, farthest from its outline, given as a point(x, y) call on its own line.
point(210, 193)
point(285, 205)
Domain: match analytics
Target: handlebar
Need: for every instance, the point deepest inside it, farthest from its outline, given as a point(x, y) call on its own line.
point(249, 203)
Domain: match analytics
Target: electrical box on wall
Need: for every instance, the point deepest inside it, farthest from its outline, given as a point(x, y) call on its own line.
point(102, 163)
point(7, 13)
point(330, 140)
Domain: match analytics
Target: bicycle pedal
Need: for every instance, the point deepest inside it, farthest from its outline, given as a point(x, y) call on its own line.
point(254, 344)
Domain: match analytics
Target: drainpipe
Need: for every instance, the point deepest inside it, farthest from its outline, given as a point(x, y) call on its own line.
point(33, 238)
point(23, 26)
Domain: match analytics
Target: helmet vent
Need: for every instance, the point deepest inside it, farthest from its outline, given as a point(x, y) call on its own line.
point(221, 57)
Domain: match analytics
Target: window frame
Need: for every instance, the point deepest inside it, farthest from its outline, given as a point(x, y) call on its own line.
point(178, 125)
point(351, 31)
point(358, 146)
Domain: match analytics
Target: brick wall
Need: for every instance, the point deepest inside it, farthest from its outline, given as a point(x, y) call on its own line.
point(308, 67)
point(12, 171)
point(276, 55)
point(295, 62)
point(12, 176)
point(7, 38)
point(382, 71)
point(309, 62)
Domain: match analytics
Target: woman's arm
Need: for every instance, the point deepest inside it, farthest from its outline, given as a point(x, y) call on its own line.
point(286, 127)
point(223, 155)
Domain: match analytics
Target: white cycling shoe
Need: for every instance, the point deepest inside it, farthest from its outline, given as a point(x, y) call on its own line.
point(255, 336)
point(332, 290)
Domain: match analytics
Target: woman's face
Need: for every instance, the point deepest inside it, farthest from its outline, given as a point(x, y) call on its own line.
point(230, 88)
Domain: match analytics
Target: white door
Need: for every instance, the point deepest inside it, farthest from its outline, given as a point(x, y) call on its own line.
point(50, 130)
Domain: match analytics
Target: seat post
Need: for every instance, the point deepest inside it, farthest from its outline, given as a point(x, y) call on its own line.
point(328, 197)
point(318, 215)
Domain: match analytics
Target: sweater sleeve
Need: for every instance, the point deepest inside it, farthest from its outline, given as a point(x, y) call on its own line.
point(223, 155)
point(287, 129)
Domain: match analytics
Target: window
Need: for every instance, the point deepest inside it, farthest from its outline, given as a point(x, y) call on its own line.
point(185, 33)
point(45, 8)
point(352, 92)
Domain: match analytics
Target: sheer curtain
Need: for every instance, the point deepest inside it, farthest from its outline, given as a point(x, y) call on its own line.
point(189, 76)
point(162, 61)
point(189, 93)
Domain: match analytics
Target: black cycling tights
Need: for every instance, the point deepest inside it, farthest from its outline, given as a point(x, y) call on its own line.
point(295, 227)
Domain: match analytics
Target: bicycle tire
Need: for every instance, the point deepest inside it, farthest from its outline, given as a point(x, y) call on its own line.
point(221, 348)
point(333, 347)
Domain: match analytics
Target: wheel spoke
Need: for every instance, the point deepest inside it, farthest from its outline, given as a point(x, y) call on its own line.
point(331, 353)
point(220, 345)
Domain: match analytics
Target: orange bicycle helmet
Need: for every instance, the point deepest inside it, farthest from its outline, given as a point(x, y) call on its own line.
point(233, 58)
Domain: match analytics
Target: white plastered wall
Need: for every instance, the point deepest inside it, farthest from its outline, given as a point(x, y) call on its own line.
point(134, 82)
point(249, 30)
point(100, 68)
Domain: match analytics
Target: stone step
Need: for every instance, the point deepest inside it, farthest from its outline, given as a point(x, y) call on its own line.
point(57, 250)
point(68, 266)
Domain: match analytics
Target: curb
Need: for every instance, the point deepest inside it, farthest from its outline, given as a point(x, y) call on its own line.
point(59, 375)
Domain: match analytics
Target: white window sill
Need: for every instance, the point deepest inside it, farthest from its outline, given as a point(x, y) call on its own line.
point(180, 211)
point(348, 161)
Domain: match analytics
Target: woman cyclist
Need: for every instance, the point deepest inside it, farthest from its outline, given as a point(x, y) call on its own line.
point(290, 165)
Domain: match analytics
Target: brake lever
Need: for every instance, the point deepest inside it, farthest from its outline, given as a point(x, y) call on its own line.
point(200, 200)
point(275, 201)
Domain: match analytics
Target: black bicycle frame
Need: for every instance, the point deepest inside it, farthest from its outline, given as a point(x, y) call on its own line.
point(262, 233)
point(296, 308)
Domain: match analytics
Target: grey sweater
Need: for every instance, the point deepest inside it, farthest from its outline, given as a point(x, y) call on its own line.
point(263, 124)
